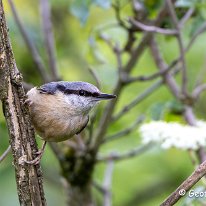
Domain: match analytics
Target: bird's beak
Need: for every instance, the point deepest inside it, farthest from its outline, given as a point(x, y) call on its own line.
point(103, 96)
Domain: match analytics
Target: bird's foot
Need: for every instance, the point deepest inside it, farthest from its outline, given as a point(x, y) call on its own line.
point(38, 158)
point(35, 161)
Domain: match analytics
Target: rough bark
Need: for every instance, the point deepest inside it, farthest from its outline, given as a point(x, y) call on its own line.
point(77, 168)
point(78, 195)
point(22, 139)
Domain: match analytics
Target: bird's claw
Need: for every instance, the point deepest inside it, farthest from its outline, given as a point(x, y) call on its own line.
point(35, 161)
point(38, 158)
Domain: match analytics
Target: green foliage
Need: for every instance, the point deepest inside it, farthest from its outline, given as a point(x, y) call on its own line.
point(157, 111)
point(198, 17)
point(105, 4)
point(186, 3)
point(152, 6)
point(190, 3)
point(168, 111)
point(81, 9)
point(196, 23)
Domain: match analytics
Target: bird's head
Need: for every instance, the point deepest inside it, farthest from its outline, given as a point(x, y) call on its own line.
point(80, 96)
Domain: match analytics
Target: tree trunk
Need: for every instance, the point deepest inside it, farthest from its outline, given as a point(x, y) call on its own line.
point(22, 138)
point(78, 195)
point(77, 168)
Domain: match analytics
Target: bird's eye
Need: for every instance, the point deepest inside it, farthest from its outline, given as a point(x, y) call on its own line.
point(81, 92)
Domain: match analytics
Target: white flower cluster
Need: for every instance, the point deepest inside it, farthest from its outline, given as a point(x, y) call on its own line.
point(169, 134)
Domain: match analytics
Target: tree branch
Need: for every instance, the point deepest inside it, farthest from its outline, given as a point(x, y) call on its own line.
point(198, 90)
point(186, 185)
point(162, 72)
point(30, 45)
point(199, 31)
point(186, 17)
point(107, 184)
point(49, 37)
point(181, 46)
point(94, 75)
point(161, 65)
point(138, 99)
point(126, 131)
point(6, 152)
point(151, 28)
point(132, 153)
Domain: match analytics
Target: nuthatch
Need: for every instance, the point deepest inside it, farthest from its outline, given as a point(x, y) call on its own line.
point(59, 110)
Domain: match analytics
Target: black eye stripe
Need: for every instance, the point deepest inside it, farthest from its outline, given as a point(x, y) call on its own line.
point(95, 94)
point(77, 92)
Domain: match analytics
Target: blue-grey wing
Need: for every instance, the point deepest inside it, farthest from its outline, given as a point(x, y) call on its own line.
point(84, 126)
point(48, 88)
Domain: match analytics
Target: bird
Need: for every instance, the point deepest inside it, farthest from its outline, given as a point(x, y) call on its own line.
point(60, 110)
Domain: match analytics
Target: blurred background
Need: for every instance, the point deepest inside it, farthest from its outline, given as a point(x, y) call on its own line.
point(145, 179)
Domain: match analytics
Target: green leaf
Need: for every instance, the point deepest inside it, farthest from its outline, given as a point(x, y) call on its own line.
point(80, 9)
point(175, 107)
point(185, 3)
point(94, 54)
point(105, 4)
point(196, 23)
point(157, 111)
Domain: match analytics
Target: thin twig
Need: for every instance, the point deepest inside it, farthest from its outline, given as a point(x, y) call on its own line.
point(152, 76)
point(198, 90)
point(91, 127)
point(107, 40)
point(30, 45)
point(107, 183)
point(143, 95)
point(80, 142)
point(181, 46)
point(73, 145)
point(118, 54)
point(186, 185)
point(132, 153)
point(199, 31)
point(161, 65)
point(151, 28)
point(186, 17)
point(5, 154)
point(126, 131)
point(136, 53)
point(174, 63)
point(138, 99)
point(99, 187)
point(49, 37)
point(201, 75)
point(95, 76)
point(117, 9)
point(144, 41)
